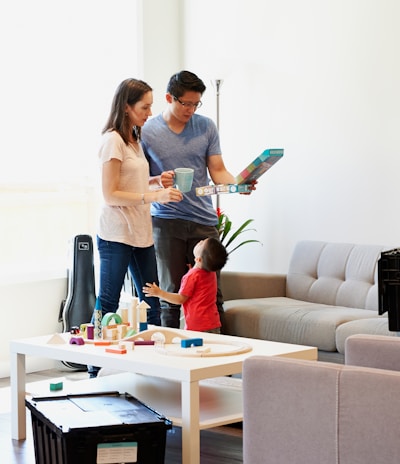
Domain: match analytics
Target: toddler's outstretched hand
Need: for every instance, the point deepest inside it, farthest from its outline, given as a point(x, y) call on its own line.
point(151, 289)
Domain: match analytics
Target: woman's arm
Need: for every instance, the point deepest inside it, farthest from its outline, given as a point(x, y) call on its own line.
point(110, 180)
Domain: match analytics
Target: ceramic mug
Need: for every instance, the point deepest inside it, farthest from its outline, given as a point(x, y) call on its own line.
point(184, 179)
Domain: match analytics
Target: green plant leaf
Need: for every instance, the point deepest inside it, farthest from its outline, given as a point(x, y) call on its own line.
point(243, 243)
point(239, 231)
point(224, 228)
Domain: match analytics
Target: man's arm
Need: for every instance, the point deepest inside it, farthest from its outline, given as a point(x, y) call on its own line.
point(220, 175)
point(218, 172)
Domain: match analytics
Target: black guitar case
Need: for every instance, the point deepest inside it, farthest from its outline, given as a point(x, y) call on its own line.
point(78, 307)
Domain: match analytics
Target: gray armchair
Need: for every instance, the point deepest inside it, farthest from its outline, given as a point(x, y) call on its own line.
point(310, 412)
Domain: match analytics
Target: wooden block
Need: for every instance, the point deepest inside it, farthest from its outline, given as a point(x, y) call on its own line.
point(187, 343)
point(116, 350)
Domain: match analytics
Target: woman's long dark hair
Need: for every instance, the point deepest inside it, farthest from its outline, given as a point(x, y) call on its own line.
point(130, 91)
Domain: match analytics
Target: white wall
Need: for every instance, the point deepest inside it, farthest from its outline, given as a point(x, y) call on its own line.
point(32, 289)
point(163, 42)
point(30, 307)
point(320, 79)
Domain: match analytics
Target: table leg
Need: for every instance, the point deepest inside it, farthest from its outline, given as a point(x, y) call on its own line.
point(17, 383)
point(190, 397)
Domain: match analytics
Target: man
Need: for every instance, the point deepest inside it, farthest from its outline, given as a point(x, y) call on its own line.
point(181, 138)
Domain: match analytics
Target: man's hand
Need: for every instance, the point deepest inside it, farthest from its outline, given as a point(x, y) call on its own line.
point(252, 187)
point(167, 179)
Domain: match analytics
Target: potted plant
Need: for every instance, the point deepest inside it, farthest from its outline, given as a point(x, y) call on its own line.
point(228, 236)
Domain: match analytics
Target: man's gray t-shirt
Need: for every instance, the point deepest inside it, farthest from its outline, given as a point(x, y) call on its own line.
point(166, 150)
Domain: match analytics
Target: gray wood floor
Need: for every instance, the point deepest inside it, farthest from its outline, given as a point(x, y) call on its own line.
point(222, 445)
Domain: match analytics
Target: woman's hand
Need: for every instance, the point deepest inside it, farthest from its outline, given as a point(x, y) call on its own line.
point(167, 195)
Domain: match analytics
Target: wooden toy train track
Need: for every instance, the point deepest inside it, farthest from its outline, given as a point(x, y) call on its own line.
point(168, 342)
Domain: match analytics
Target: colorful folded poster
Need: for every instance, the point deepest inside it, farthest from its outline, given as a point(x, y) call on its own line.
point(260, 165)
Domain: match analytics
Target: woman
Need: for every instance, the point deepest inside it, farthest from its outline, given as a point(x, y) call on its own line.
point(125, 239)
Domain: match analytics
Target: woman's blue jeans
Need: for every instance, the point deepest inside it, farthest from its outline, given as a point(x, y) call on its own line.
point(115, 259)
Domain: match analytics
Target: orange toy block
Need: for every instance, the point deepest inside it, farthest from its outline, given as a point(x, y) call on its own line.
point(102, 343)
point(116, 350)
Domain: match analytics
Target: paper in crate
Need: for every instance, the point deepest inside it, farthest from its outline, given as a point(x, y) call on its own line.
point(260, 165)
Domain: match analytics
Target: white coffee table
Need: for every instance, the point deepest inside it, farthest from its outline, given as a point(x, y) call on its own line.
point(165, 374)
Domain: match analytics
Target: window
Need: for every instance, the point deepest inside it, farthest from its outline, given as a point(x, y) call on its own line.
point(61, 63)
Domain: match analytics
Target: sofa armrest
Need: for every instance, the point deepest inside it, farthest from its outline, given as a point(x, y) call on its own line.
point(239, 285)
point(378, 351)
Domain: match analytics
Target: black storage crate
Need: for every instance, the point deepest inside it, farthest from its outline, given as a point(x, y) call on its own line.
point(94, 428)
point(389, 287)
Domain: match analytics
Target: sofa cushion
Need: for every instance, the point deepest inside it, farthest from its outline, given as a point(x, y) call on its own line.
point(289, 321)
point(377, 325)
point(340, 274)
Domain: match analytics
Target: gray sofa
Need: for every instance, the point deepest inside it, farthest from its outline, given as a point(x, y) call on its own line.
point(297, 411)
point(329, 293)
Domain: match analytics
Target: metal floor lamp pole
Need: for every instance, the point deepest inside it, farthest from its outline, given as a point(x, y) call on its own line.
point(217, 84)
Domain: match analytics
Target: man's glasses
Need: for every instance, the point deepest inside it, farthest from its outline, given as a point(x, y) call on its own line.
point(188, 104)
